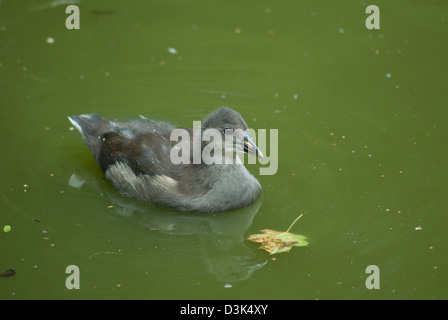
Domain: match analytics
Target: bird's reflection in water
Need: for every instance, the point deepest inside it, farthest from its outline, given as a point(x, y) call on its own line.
point(221, 235)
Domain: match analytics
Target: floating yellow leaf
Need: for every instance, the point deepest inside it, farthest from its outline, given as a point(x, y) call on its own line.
point(278, 241)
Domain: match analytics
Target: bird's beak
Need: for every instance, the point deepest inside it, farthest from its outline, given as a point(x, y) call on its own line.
point(251, 148)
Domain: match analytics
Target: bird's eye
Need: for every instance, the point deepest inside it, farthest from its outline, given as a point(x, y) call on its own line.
point(228, 131)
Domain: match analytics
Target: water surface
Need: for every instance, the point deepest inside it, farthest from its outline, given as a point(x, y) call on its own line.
point(362, 119)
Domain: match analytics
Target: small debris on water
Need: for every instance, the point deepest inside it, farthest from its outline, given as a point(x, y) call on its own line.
point(172, 50)
point(8, 273)
point(75, 181)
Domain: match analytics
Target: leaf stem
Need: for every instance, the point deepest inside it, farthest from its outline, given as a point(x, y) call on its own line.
point(294, 222)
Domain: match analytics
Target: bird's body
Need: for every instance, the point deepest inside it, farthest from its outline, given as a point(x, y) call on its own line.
point(136, 157)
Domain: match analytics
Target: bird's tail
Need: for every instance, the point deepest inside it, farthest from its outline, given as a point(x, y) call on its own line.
point(92, 127)
point(90, 124)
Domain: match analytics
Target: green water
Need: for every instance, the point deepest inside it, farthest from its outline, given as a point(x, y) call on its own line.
point(362, 121)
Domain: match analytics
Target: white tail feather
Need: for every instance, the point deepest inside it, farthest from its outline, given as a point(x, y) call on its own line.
point(76, 125)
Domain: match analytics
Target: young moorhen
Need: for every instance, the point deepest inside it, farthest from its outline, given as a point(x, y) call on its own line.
point(136, 157)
